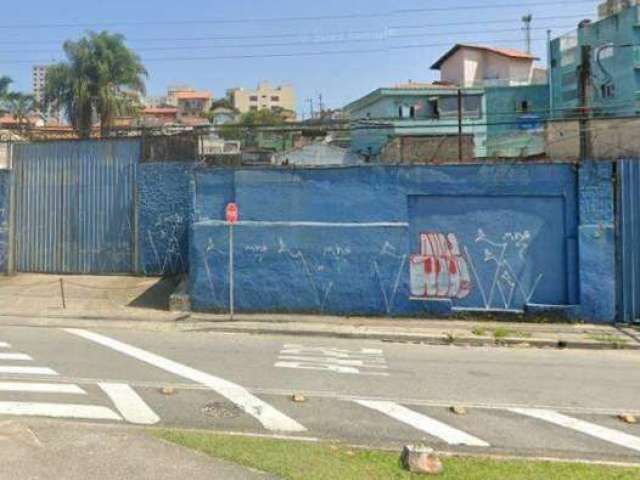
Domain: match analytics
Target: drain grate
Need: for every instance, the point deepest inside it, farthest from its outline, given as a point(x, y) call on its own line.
point(221, 410)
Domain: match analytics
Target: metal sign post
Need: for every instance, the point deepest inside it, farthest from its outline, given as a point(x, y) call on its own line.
point(232, 218)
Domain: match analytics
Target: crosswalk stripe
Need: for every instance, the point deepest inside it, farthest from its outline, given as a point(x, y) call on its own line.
point(4, 345)
point(603, 433)
point(27, 370)
point(266, 414)
point(15, 356)
point(41, 388)
point(58, 410)
point(129, 403)
point(426, 424)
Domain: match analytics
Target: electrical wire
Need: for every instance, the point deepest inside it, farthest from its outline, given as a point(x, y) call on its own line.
point(351, 16)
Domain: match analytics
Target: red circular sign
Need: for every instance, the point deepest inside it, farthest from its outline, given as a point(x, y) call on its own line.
point(232, 213)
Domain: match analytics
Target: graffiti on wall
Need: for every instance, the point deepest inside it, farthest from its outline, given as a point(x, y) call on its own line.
point(166, 241)
point(440, 270)
point(445, 269)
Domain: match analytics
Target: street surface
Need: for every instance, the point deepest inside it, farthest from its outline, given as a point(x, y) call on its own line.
point(525, 402)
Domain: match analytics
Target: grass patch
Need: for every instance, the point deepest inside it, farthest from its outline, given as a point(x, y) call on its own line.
point(479, 331)
point(291, 460)
point(608, 338)
point(504, 332)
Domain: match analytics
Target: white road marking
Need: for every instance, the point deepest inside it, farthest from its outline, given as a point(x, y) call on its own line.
point(328, 367)
point(41, 388)
point(603, 433)
point(330, 359)
point(4, 345)
point(129, 403)
point(58, 410)
point(333, 361)
point(426, 424)
point(15, 356)
point(270, 418)
point(27, 370)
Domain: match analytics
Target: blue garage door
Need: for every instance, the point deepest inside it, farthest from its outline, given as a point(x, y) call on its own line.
point(74, 206)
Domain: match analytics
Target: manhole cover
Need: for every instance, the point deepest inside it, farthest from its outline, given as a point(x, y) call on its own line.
point(221, 410)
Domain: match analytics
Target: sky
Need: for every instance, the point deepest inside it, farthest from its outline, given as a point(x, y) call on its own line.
point(340, 49)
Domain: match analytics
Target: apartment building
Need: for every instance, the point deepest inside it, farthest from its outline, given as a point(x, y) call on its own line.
point(188, 101)
point(263, 97)
point(39, 83)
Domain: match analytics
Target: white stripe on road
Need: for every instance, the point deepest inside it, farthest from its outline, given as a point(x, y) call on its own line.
point(333, 361)
point(607, 434)
point(4, 345)
point(15, 356)
point(426, 424)
point(58, 410)
point(41, 388)
point(129, 403)
point(27, 370)
point(270, 418)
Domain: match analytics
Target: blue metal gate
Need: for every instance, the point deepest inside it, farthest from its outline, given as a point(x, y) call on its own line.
point(628, 248)
point(74, 206)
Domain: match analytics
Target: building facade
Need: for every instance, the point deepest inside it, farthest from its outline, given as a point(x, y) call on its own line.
point(265, 96)
point(470, 65)
point(614, 56)
point(190, 102)
point(39, 81)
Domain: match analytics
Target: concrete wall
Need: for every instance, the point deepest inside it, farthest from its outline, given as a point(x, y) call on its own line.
point(4, 219)
point(399, 240)
point(165, 197)
point(597, 242)
point(611, 138)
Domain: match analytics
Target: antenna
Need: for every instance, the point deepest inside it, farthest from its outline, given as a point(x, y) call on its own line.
point(526, 20)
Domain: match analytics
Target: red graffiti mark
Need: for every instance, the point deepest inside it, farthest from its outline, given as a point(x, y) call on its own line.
point(440, 270)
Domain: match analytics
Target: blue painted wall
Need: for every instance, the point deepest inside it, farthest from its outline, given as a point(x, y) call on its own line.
point(381, 240)
point(597, 242)
point(165, 198)
point(4, 219)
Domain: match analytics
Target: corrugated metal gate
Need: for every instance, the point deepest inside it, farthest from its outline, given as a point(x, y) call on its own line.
point(628, 248)
point(74, 206)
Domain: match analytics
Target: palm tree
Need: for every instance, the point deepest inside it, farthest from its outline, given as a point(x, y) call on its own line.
point(101, 76)
point(4, 86)
point(21, 106)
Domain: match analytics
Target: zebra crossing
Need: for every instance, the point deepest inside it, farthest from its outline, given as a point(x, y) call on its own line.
point(29, 388)
point(128, 405)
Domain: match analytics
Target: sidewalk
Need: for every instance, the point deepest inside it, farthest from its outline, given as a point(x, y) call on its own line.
point(430, 331)
point(87, 297)
point(45, 450)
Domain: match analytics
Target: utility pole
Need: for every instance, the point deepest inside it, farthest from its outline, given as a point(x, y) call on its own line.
point(584, 85)
point(526, 20)
point(320, 104)
point(460, 125)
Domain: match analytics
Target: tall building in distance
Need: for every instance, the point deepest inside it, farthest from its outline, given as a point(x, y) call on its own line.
point(39, 83)
point(264, 97)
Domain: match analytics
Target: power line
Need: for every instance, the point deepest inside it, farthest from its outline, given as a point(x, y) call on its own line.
point(279, 55)
point(344, 33)
point(397, 12)
point(293, 44)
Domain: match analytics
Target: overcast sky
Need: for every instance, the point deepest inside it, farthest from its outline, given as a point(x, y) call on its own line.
point(378, 42)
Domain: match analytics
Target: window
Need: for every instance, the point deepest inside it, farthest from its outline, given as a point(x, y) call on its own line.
point(254, 108)
point(472, 106)
point(400, 111)
point(253, 98)
point(275, 98)
point(412, 112)
point(608, 90)
point(524, 106)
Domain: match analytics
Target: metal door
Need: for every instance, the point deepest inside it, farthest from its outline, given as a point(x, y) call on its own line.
point(74, 206)
point(628, 233)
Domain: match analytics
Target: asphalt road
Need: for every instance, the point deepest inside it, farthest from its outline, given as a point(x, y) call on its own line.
point(526, 402)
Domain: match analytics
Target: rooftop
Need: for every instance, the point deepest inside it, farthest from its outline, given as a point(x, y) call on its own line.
point(505, 52)
point(193, 95)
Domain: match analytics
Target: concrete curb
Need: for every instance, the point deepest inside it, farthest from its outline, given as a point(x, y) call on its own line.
point(185, 323)
point(426, 339)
